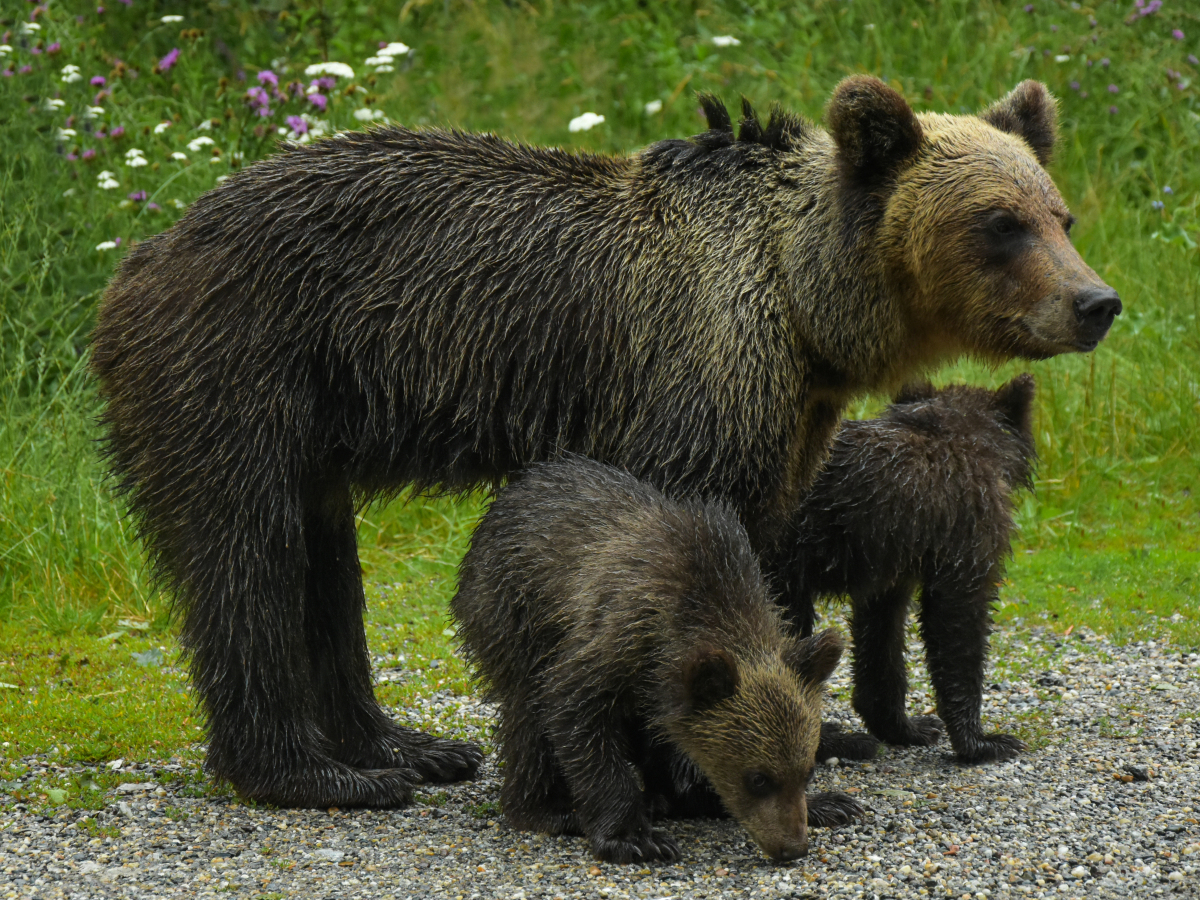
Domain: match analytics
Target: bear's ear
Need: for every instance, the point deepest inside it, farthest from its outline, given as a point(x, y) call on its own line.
point(875, 130)
point(709, 676)
point(1030, 112)
point(915, 391)
point(1015, 403)
point(814, 658)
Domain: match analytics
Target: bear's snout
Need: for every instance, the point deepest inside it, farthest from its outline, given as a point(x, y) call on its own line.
point(1095, 309)
point(790, 851)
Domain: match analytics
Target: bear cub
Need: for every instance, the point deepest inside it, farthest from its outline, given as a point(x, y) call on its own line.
point(919, 498)
point(606, 620)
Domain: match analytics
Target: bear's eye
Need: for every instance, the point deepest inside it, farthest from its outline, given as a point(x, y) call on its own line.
point(1067, 225)
point(758, 784)
point(1004, 226)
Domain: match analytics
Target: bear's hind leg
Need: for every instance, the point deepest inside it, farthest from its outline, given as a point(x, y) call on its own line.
point(239, 570)
point(955, 621)
point(362, 734)
point(880, 676)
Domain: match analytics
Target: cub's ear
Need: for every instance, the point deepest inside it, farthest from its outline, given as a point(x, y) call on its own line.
point(709, 676)
point(1030, 112)
point(1015, 403)
point(875, 129)
point(915, 391)
point(814, 658)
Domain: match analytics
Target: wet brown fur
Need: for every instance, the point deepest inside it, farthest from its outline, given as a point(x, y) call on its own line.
point(441, 309)
point(605, 619)
point(919, 503)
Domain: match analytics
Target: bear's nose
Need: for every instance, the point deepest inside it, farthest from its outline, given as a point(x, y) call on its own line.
point(788, 852)
point(1096, 307)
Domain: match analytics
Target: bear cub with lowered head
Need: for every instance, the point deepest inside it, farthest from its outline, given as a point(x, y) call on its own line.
point(606, 619)
point(919, 498)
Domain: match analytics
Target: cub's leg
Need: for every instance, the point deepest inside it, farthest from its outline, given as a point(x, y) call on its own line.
point(591, 735)
point(536, 795)
point(880, 674)
point(955, 620)
point(363, 735)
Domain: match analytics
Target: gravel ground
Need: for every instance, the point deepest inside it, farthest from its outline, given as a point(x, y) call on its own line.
point(1106, 804)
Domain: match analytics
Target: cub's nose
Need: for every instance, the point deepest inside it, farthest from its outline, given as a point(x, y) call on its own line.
point(1095, 309)
point(789, 851)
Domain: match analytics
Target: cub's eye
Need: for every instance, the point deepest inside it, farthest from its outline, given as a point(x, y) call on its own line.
point(758, 784)
point(1067, 225)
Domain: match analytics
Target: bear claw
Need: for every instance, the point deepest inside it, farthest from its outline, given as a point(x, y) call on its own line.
point(647, 847)
point(833, 808)
point(995, 747)
point(845, 744)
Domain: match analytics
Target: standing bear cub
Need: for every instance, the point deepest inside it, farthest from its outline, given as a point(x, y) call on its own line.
point(919, 499)
point(436, 309)
point(606, 619)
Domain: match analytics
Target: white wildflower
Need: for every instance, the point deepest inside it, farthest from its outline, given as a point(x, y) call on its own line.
point(134, 158)
point(395, 48)
point(654, 106)
point(585, 122)
point(72, 78)
point(380, 70)
point(161, 127)
point(221, 178)
point(214, 160)
point(281, 130)
point(69, 192)
point(206, 125)
point(70, 69)
point(341, 70)
point(64, 133)
point(107, 182)
point(181, 157)
point(53, 103)
point(133, 152)
point(5, 49)
point(168, 20)
point(1062, 57)
point(377, 60)
point(178, 204)
point(30, 27)
point(870, 26)
point(196, 143)
point(107, 245)
point(105, 174)
point(725, 40)
point(369, 115)
point(92, 111)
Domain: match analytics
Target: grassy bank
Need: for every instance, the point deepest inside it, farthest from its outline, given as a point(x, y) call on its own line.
point(1109, 540)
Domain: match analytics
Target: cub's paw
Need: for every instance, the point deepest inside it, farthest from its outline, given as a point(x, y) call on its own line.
point(923, 731)
point(845, 744)
point(832, 808)
point(995, 747)
point(649, 846)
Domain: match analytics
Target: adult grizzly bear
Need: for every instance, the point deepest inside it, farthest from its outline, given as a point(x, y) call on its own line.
point(920, 498)
point(605, 619)
point(440, 309)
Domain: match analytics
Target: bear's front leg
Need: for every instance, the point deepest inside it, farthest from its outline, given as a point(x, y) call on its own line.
point(590, 732)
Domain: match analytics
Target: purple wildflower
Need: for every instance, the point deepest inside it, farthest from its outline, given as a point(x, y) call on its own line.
point(36, 51)
point(296, 88)
point(319, 101)
point(1193, 60)
point(56, 46)
point(25, 69)
point(101, 135)
point(1177, 34)
point(7, 73)
point(266, 76)
point(169, 60)
point(99, 10)
point(1113, 110)
point(1054, 28)
point(153, 206)
point(1104, 62)
point(1083, 94)
point(72, 157)
point(1167, 189)
point(117, 132)
point(1074, 85)
point(1157, 204)
point(1113, 89)
point(326, 83)
point(98, 81)
point(297, 124)
point(127, 3)
point(1089, 62)
point(138, 196)
point(117, 241)
point(1146, 9)
point(89, 153)
point(1028, 9)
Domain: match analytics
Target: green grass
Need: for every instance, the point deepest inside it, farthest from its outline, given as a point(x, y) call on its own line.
point(1108, 541)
